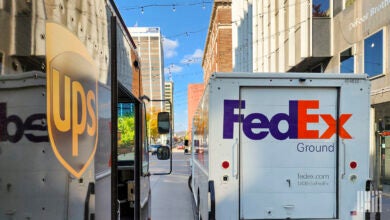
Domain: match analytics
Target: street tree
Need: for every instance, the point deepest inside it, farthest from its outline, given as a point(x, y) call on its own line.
point(151, 118)
point(126, 132)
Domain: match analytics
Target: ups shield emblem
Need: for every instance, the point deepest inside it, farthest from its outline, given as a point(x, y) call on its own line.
point(72, 99)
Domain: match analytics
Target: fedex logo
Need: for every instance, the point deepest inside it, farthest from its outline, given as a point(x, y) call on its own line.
point(257, 126)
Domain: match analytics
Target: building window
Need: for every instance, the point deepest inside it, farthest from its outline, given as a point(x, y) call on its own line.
point(347, 61)
point(321, 8)
point(373, 54)
point(318, 68)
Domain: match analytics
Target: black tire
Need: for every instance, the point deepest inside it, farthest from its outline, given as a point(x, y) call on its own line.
point(189, 182)
point(198, 207)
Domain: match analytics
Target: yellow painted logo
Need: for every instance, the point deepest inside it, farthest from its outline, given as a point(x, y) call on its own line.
point(72, 99)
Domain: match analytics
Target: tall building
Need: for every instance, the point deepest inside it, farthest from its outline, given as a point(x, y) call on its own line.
point(280, 36)
point(169, 96)
point(328, 36)
point(149, 46)
point(218, 48)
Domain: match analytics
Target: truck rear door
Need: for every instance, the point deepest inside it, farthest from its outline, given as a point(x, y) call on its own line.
point(288, 153)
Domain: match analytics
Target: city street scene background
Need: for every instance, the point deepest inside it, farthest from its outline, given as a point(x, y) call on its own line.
point(107, 109)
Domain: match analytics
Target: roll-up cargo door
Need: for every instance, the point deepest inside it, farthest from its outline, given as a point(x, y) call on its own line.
point(288, 153)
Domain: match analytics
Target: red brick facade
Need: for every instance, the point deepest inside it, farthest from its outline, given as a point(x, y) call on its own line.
point(218, 49)
point(195, 92)
point(217, 55)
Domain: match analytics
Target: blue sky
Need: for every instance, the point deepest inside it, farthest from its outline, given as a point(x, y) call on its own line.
point(184, 24)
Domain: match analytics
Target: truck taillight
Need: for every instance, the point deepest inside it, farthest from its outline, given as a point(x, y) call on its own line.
point(353, 164)
point(225, 164)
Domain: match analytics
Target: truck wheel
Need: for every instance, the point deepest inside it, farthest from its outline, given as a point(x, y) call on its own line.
point(198, 207)
point(189, 182)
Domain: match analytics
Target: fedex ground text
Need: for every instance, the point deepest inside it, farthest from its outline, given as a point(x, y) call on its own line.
point(257, 125)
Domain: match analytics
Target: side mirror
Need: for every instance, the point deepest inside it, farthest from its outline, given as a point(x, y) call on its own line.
point(186, 151)
point(163, 122)
point(163, 153)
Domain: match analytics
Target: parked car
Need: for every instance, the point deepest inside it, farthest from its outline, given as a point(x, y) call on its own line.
point(153, 148)
point(180, 147)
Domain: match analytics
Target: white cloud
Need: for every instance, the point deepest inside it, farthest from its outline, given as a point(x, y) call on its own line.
point(170, 47)
point(173, 69)
point(196, 57)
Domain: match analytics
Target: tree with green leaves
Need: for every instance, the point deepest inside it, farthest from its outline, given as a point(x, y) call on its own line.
point(126, 129)
point(151, 118)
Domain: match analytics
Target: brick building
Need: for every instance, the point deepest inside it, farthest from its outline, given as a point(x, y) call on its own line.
point(218, 48)
point(195, 92)
point(217, 55)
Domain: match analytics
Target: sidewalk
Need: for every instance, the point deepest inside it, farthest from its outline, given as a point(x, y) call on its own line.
point(171, 197)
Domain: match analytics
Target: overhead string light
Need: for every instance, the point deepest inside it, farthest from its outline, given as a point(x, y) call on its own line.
point(272, 36)
point(284, 8)
point(278, 33)
point(268, 55)
point(187, 33)
point(173, 5)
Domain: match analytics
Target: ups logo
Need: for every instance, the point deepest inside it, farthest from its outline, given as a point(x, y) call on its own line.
point(71, 100)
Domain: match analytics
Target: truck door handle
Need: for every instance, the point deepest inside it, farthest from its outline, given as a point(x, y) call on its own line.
point(91, 191)
point(288, 206)
point(289, 182)
point(235, 160)
point(344, 158)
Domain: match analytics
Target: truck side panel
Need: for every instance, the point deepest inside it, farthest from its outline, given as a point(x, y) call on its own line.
point(33, 183)
point(284, 175)
point(200, 155)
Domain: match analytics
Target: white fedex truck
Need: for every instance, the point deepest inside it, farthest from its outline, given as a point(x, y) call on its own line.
point(282, 146)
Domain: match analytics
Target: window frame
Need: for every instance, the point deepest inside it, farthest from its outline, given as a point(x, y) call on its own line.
point(383, 54)
point(128, 105)
point(352, 48)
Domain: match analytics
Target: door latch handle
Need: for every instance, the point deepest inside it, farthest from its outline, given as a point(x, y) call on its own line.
point(289, 182)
